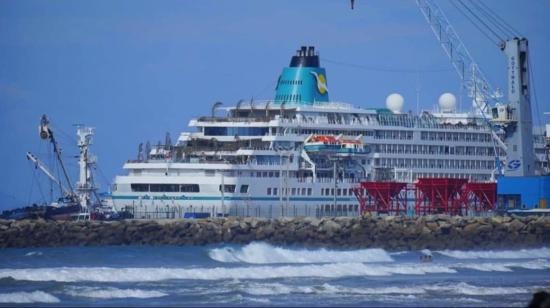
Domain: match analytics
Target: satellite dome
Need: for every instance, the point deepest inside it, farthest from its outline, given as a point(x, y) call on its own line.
point(394, 102)
point(447, 102)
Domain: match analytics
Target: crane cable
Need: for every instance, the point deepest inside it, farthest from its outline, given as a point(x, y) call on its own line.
point(490, 18)
point(502, 21)
point(385, 69)
point(476, 16)
point(476, 25)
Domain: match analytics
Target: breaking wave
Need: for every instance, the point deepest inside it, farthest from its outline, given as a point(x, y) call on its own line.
point(262, 253)
point(27, 297)
point(267, 289)
point(108, 293)
point(281, 289)
point(106, 274)
point(463, 288)
point(33, 253)
point(504, 254)
point(259, 272)
point(505, 267)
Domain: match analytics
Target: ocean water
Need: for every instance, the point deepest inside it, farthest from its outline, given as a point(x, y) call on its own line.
point(260, 274)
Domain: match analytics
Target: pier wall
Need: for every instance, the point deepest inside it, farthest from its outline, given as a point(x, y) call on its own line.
point(393, 233)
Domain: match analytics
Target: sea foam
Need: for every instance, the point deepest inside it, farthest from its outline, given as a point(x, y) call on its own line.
point(107, 293)
point(33, 253)
point(259, 272)
point(107, 274)
point(28, 297)
point(262, 253)
point(462, 288)
point(495, 254)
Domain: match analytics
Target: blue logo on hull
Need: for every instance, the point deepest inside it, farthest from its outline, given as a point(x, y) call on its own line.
point(514, 164)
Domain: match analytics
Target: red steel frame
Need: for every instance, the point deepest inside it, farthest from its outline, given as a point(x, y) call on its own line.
point(480, 197)
point(439, 196)
point(432, 196)
point(382, 197)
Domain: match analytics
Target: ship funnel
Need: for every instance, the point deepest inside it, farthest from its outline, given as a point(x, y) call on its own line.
point(303, 82)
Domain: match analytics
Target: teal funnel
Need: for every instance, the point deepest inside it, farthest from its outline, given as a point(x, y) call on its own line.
point(304, 82)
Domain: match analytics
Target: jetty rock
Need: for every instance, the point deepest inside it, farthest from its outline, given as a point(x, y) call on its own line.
point(392, 233)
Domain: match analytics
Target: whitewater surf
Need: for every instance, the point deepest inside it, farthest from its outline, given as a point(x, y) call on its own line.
point(261, 274)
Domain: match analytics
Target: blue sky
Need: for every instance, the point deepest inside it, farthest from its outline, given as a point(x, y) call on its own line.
point(138, 69)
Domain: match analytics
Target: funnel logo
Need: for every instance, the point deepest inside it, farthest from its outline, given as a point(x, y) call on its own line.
point(321, 82)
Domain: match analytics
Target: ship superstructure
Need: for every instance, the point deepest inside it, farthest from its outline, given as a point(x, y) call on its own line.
point(301, 154)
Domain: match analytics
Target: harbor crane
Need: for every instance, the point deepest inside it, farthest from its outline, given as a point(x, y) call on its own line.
point(512, 120)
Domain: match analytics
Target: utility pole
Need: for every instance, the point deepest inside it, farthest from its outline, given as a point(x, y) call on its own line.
point(335, 183)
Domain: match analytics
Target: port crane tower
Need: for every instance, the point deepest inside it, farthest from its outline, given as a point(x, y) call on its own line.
point(513, 119)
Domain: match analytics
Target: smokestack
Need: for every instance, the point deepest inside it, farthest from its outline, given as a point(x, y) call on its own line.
point(304, 50)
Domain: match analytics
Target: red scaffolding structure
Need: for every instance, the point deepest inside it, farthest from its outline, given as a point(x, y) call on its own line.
point(480, 197)
point(431, 196)
point(382, 197)
point(439, 196)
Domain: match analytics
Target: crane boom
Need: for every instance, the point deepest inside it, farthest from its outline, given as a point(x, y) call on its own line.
point(473, 79)
point(46, 171)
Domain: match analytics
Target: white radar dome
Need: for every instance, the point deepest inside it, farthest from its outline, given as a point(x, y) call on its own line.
point(447, 102)
point(395, 102)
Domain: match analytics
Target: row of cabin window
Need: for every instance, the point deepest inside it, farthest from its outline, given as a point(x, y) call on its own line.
point(194, 188)
point(435, 163)
point(339, 192)
point(274, 174)
point(434, 149)
point(345, 133)
point(185, 188)
point(288, 191)
point(455, 136)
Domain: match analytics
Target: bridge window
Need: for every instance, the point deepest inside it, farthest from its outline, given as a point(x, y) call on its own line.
point(189, 188)
point(139, 187)
point(165, 187)
point(228, 188)
point(232, 131)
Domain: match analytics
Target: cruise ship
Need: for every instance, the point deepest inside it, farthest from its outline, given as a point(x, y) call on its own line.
point(302, 154)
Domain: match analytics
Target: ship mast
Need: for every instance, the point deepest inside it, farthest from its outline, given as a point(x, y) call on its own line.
point(84, 186)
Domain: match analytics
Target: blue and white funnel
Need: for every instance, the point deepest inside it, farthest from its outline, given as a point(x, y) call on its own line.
point(303, 82)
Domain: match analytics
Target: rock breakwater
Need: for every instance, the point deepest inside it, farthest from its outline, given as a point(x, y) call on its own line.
point(393, 233)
